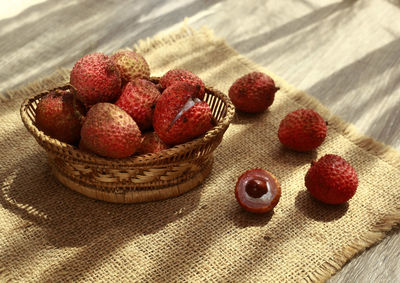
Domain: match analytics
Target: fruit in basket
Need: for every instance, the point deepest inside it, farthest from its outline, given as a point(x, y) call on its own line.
point(302, 130)
point(82, 147)
point(138, 99)
point(331, 179)
point(131, 65)
point(96, 79)
point(253, 92)
point(257, 190)
point(151, 143)
point(109, 131)
point(56, 118)
point(179, 75)
point(180, 116)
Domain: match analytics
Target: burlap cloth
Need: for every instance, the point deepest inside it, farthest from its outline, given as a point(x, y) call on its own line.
point(50, 233)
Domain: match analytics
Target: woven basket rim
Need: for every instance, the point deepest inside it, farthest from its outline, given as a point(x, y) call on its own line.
point(142, 159)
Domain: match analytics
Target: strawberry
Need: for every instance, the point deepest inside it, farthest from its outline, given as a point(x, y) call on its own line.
point(331, 179)
point(253, 92)
point(302, 130)
point(179, 75)
point(180, 115)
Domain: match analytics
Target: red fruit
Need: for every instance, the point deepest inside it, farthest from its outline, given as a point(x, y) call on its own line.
point(138, 99)
point(257, 190)
point(109, 131)
point(180, 116)
point(179, 75)
point(151, 143)
point(56, 118)
point(253, 93)
point(331, 179)
point(96, 79)
point(302, 130)
point(131, 65)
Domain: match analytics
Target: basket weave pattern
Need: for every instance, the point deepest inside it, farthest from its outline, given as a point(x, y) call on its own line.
point(140, 178)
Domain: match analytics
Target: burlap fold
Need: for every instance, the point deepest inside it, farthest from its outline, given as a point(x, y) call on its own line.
point(50, 233)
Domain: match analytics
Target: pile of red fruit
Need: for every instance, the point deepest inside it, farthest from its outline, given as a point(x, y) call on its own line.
point(331, 179)
point(114, 110)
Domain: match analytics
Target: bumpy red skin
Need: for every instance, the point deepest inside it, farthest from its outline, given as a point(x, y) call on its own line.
point(302, 130)
point(331, 180)
point(179, 75)
point(151, 143)
point(96, 79)
point(131, 65)
point(254, 205)
point(253, 92)
point(109, 131)
point(192, 123)
point(138, 99)
point(56, 118)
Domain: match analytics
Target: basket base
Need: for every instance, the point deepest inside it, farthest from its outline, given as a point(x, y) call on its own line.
point(135, 196)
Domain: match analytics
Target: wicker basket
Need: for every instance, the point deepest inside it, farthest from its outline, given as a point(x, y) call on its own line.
point(140, 178)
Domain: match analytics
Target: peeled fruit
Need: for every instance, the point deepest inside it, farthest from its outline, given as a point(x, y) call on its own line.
point(180, 115)
point(302, 130)
point(96, 79)
point(253, 92)
point(151, 143)
point(109, 131)
point(138, 99)
point(257, 191)
point(179, 75)
point(331, 179)
point(131, 65)
point(56, 118)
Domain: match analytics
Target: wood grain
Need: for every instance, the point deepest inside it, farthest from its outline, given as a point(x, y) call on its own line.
point(345, 53)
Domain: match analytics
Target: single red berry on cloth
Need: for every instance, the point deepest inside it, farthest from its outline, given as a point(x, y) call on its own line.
point(331, 179)
point(257, 191)
point(179, 75)
point(253, 92)
point(302, 130)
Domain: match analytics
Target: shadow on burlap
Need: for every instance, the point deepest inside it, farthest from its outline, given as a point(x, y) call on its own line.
point(50, 233)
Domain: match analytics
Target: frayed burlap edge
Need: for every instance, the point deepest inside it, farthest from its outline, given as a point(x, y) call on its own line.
point(373, 147)
point(54, 80)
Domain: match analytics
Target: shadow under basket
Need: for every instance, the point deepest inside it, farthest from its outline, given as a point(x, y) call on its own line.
point(139, 178)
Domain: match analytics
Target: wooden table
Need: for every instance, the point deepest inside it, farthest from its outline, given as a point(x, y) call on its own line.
point(345, 53)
